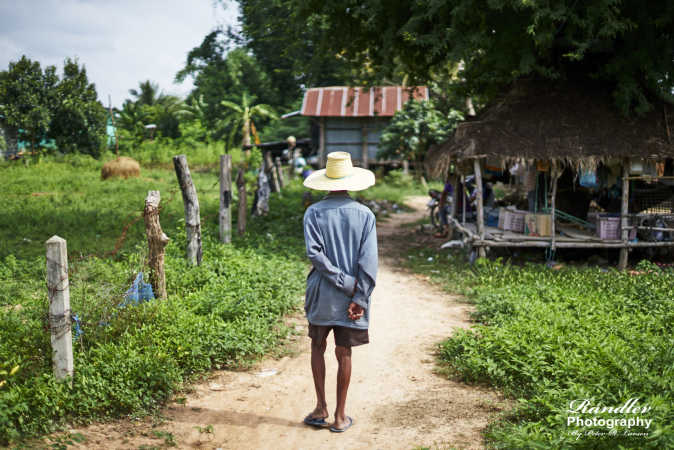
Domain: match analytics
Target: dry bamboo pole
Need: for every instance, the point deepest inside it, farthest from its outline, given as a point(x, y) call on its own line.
point(225, 212)
point(156, 241)
point(192, 216)
point(480, 205)
point(624, 210)
point(241, 186)
point(58, 289)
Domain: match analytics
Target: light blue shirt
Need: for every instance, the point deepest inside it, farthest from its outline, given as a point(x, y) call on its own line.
point(341, 239)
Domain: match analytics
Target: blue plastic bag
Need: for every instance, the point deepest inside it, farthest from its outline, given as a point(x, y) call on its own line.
point(588, 179)
point(138, 292)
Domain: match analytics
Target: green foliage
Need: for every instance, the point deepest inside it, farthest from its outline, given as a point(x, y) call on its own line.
point(27, 95)
point(41, 105)
point(549, 337)
point(224, 313)
point(414, 129)
point(78, 119)
point(627, 44)
point(150, 106)
point(240, 116)
point(220, 75)
point(285, 46)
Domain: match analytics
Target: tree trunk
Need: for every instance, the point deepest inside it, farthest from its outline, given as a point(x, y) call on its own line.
point(241, 186)
point(192, 217)
point(156, 241)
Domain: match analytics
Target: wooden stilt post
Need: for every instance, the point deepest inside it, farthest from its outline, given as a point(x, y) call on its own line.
point(454, 181)
point(480, 205)
point(624, 211)
point(321, 143)
point(241, 186)
point(59, 307)
point(156, 241)
point(225, 215)
point(364, 157)
point(463, 199)
point(553, 201)
point(192, 216)
point(406, 166)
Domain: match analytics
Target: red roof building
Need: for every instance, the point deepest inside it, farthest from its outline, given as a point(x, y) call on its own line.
point(351, 118)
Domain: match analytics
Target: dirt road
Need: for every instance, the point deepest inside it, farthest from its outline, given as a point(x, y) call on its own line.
point(395, 398)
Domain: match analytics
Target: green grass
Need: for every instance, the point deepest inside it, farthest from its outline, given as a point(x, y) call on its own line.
point(225, 313)
point(547, 337)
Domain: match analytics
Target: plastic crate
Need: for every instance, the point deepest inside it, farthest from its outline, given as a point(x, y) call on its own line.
point(608, 228)
point(514, 221)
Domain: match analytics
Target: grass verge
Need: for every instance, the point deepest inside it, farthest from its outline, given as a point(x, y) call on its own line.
point(554, 339)
point(225, 313)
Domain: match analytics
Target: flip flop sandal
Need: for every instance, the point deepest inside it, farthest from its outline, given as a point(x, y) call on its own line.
point(318, 422)
point(342, 430)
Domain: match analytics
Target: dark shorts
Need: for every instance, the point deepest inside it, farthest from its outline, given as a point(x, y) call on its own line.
point(344, 336)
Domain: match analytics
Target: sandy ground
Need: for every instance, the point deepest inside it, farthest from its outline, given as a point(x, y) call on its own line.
point(395, 398)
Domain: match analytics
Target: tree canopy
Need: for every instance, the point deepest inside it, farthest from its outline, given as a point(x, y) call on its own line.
point(36, 102)
point(627, 43)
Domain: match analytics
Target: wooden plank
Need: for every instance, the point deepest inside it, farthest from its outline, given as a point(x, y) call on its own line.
point(58, 289)
point(613, 244)
point(192, 216)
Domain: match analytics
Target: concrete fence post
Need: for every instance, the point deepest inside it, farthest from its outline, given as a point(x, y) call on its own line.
point(59, 307)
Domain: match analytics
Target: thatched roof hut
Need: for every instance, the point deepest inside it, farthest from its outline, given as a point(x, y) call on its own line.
point(568, 122)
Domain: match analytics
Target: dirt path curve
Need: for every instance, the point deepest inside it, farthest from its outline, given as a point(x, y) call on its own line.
point(395, 398)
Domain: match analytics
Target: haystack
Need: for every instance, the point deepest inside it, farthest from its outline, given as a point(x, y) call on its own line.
point(123, 167)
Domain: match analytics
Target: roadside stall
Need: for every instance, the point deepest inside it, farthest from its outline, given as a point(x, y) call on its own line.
point(578, 173)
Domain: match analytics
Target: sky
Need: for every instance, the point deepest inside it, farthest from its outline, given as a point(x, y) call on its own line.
point(121, 42)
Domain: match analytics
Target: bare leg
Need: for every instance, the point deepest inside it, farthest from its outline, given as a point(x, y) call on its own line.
point(343, 378)
point(318, 370)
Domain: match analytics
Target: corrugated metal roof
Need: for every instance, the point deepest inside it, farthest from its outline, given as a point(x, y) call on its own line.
point(343, 101)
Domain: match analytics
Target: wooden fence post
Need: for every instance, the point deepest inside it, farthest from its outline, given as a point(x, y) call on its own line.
point(156, 241)
point(225, 215)
point(279, 172)
point(269, 168)
point(192, 218)
point(241, 186)
point(59, 307)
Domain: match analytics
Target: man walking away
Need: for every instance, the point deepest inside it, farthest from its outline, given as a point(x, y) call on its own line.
point(341, 240)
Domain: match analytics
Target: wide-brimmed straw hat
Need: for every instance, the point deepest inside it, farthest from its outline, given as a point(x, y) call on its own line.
point(340, 175)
